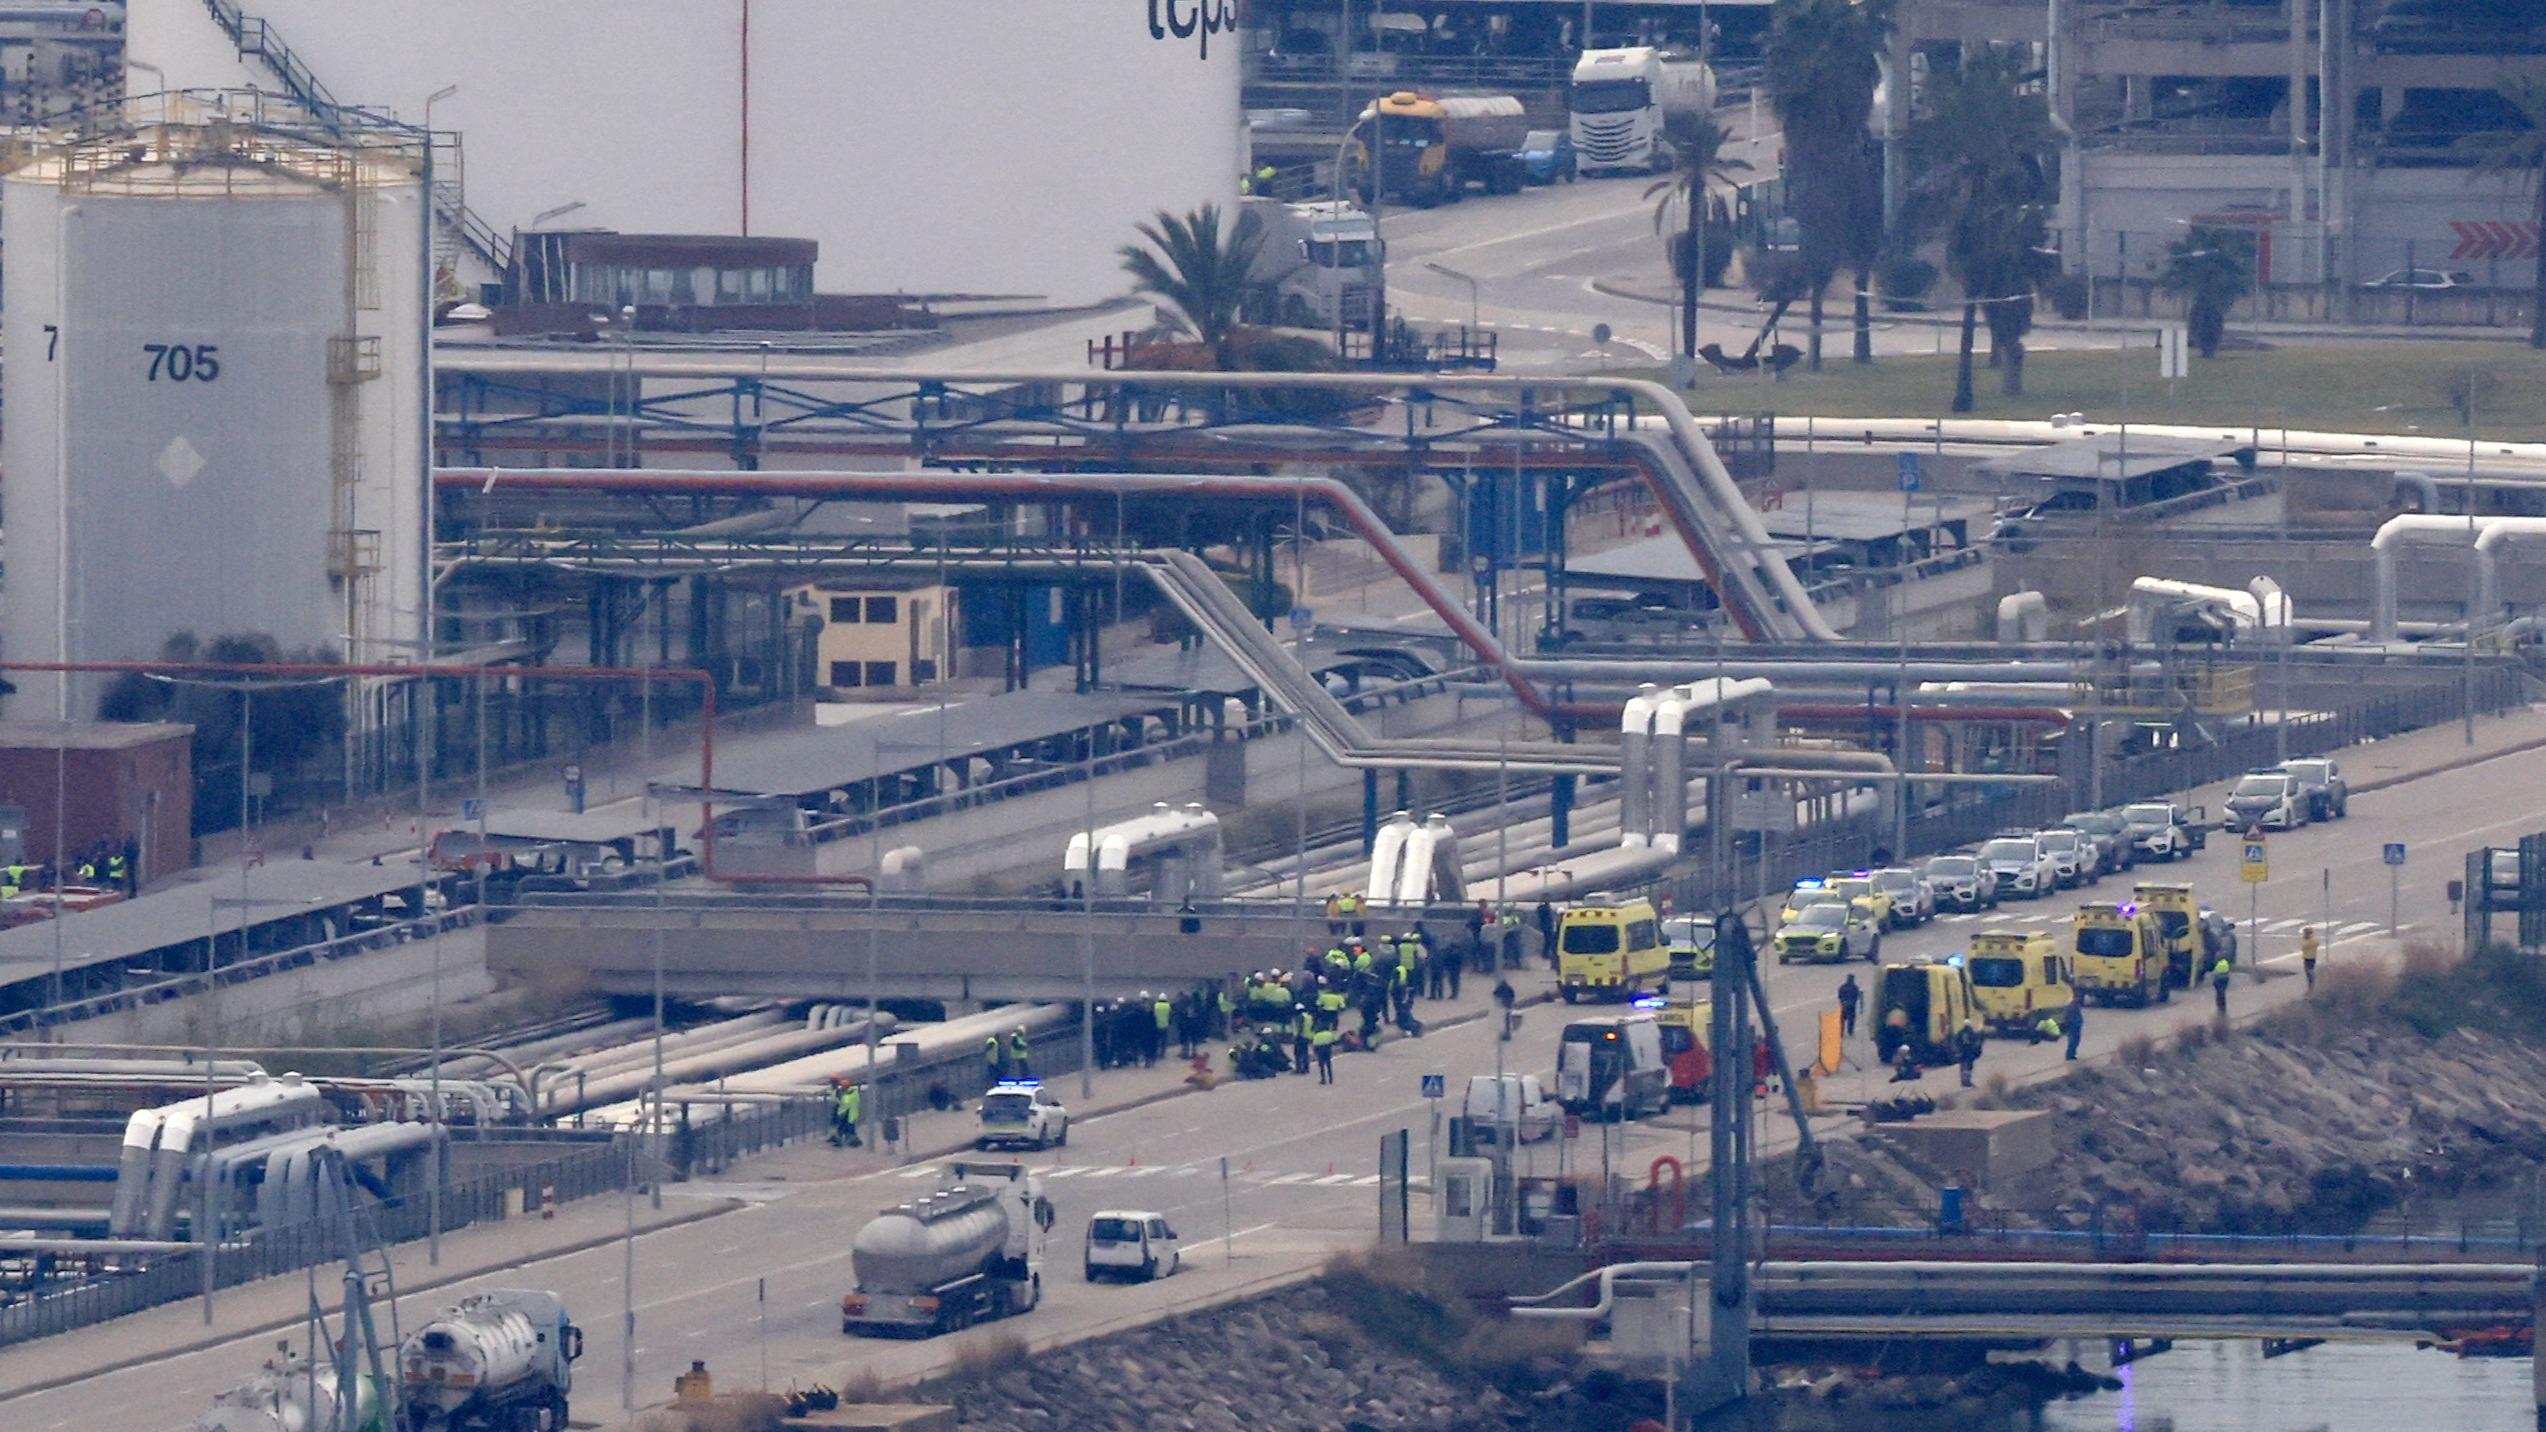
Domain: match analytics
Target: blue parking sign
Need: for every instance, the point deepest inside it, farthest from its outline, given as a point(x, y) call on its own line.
point(1909, 470)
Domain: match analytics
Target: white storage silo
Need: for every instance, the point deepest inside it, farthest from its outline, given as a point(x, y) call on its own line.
point(214, 391)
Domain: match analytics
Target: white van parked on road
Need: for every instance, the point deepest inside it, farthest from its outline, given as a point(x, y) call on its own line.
point(1518, 1104)
point(1131, 1243)
point(1613, 1065)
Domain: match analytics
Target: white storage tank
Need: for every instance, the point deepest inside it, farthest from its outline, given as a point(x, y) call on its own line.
point(217, 339)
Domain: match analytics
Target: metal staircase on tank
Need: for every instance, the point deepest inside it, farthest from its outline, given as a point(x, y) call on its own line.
point(456, 225)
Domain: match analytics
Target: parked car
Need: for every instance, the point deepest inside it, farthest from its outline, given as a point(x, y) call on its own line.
point(1962, 882)
point(2269, 799)
point(2423, 280)
point(2162, 830)
point(1835, 930)
point(1132, 1243)
point(1913, 903)
point(2073, 856)
point(2024, 869)
point(1691, 941)
point(1547, 155)
point(2329, 796)
point(2113, 848)
point(1021, 1113)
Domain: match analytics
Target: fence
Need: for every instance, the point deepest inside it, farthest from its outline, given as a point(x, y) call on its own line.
point(2392, 282)
point(2256, 743)
point(2507, 1219)
point(1964, 816)
point(509, 1193)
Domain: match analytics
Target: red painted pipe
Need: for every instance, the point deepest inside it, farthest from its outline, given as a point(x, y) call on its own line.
point(940, 486)
point(1162, 449)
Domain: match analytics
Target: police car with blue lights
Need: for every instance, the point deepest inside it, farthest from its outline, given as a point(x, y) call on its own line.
point(1020, 1113)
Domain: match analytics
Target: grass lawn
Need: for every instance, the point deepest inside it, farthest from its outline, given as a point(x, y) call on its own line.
point(2392, 387)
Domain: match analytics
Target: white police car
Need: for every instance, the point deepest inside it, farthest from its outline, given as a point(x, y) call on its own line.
point(1019, 1113)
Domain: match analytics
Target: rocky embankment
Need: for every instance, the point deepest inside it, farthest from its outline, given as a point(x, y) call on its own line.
point(1300, 1358)
point(2363, 1102)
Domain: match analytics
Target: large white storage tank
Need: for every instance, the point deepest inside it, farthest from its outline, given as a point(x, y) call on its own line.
point(216, 332)
point(930, 146)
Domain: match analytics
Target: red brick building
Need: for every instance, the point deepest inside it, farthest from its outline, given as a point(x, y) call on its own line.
point(117, 781)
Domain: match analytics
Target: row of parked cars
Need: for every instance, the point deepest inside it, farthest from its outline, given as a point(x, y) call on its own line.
point(1843, 916)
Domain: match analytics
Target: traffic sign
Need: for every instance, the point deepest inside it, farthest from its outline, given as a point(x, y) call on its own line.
point(2395, 853)
point(1303, 620)
point(1573, 1126)
point(1907, 470)
point(1436, 1086)
point(2257, 865)
point(472, 809)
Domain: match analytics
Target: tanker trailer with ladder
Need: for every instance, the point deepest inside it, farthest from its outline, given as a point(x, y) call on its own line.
point(968, 1252)
point(497, 1362)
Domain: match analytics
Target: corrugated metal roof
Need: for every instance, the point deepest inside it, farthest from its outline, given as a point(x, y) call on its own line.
point(1865, 516)
point(88, 735)
point(206, 901)
point(1665, 558)
point(590, 828)
point(824, 758)
point(2113, 455)
point(1207, 670)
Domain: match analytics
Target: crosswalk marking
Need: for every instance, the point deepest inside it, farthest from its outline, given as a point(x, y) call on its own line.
point(1103, 1172)
point(2357, 927)
point(1332, 1179)
point(1065, 1171)
point(1368, 1180)
point(1289, 1178)
point(2274, 927)
point(917, 1171)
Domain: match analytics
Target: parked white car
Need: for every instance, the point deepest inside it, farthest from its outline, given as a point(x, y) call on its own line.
point(1132, 1243)
point(1021, 1113)
point(2073, 855)
point(2023, 867)
point(1961, 882)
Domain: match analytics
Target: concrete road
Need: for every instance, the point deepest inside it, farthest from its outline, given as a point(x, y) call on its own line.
point(1303, 1175)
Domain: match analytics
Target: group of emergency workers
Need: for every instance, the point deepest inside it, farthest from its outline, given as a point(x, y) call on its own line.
point(103, 863)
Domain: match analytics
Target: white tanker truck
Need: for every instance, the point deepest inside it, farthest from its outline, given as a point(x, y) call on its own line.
point(969, 1252)
point(289, 1395)
point(497, 1362)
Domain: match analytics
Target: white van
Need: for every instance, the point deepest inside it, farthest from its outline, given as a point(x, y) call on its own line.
point(1613, 1065)
point(1519, 1104)
point(1131, 1243)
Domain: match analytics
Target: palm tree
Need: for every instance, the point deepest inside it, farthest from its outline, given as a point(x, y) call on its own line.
point(2212, 269)
point(1824, 60)
point(2520, 148)
point(1698, 163)
point(1203, 276)
point(1977, 161)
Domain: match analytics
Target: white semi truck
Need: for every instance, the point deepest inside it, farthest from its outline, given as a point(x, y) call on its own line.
point(1314, 264)
point(968, 1252)
point(495, 1362)
point(1620, 100)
